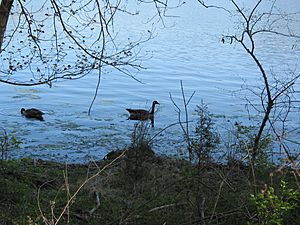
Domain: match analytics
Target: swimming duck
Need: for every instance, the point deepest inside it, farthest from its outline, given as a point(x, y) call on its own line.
point(32, 113)
point(142, 114)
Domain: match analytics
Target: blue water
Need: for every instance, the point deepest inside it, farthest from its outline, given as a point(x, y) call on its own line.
point(188, 47)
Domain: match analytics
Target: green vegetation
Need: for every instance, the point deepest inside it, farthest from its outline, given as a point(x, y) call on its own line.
point(272, 207)
point(135, 186)
point(205, 139)
point(170, 191)
point(7, 142)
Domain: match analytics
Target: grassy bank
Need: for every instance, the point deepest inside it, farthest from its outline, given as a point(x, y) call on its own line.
point(138, 187)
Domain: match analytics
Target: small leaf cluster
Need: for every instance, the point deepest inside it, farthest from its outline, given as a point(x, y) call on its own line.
point(8, 142)
point(272, 207)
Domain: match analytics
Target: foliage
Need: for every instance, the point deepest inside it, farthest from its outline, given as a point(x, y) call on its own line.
point(170, 190)
point(8, 142)
point(138, 152)
point(31, 222)
point(241, 143)
point(23, 182)
point(272, 206)
point(205, 138)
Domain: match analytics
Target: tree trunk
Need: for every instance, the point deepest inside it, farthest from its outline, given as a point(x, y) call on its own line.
point(5, 7)
point(261, 129)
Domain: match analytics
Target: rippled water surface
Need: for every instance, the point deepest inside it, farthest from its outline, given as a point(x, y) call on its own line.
point(188, 48)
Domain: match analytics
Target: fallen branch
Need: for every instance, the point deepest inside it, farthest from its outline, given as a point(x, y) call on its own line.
point(96, 193)
point(163, 207)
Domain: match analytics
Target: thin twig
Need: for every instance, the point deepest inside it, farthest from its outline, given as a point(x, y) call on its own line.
point(217, 200)
point(83, 184)
point(96, 90)
point(164, 207)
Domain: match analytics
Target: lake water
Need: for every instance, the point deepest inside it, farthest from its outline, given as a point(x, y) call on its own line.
point(188, 48)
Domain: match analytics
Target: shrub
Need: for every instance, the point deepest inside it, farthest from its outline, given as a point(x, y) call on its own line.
point(241, 144)
point(205, 138)
point(272, 207)
point(7, 143)
point(138, 152)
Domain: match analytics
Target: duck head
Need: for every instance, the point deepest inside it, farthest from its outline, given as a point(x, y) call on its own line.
point(153, 106)
point(155, 102)
point(22, 111)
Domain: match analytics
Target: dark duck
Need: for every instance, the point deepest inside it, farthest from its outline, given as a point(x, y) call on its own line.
point(142, 114)
point(32, 114)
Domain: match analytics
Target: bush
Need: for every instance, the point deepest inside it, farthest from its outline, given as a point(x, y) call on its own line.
point(205, 138)
point(138, 152)
point(240, 145)
point(272, 207)
point(7, 143)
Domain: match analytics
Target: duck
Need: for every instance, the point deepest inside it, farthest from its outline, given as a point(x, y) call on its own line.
point(142, 114)
point(32, 114)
